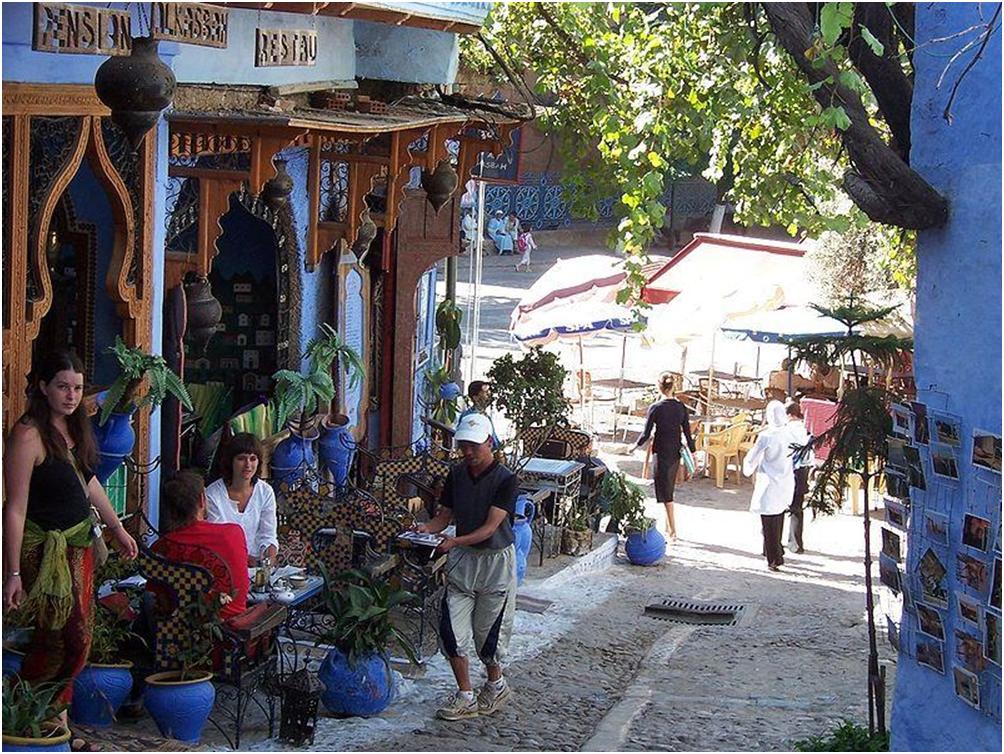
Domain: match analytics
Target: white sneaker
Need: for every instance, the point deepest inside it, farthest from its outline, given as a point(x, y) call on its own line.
point(491, 698)
point(458, 707)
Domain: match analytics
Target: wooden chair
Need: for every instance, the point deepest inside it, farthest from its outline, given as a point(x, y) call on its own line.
point(722, 446)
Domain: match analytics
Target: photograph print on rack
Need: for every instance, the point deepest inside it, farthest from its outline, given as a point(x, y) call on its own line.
point(976, 532)
point(896, 484)
point(946, 429)
point(969, 651)
point(930, 652)
point(969, 609)
point(900, 419)
point(992, 637)
point(929, 621)
point(936, 527)
point(995, 585)
point(932, 579)
point(967, 686)
point(894, 451)
point(895, 513)
point(921, 432)
point(914, 468)
point(889, 572)
point(891, 544)
point(971, 572)
point(987, 450)
point(943, 461)
point(892, 631)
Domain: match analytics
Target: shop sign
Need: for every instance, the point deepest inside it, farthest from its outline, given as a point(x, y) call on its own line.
point(285, 47)
point(190, 23)
point(81, 29)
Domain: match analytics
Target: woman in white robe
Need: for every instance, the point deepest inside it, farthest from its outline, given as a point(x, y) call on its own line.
point(771, 460)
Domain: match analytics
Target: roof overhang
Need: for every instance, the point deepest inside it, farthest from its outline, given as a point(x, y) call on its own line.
point(459, 18)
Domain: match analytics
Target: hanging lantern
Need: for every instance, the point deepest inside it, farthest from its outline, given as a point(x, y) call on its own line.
point(203, 312)
point(365, 235)
point(440, 184)
point(136, 87)
point(277, 190)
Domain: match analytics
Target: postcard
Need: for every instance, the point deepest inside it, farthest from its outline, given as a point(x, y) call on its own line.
point(971, 572)
point(889, 573)
point(969, 609)
point(932, 574)
point(900, 419)
point(930, 652)
point(995, 585)
point(936, 527)
point(976, 532)
point(969, 651)
point(895, 513)
point(946, 429)
point(987, 450)
point(930, 621)
point(892, 630)
point(891, 544)
point(992, 637)
point(921, 432)
point(943, 461)
point(896, 483)
point(894, 451)
point(967, 687)
point(914, 467)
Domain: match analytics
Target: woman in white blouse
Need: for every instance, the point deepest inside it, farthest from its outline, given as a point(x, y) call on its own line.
point(771, 460)
point(241, 498)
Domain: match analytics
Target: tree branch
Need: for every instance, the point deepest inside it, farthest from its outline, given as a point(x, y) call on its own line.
point(882, 184)
point(979, 54)
point(572, 46)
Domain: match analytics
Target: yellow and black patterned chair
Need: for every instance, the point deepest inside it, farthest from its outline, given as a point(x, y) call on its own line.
point(554, 442)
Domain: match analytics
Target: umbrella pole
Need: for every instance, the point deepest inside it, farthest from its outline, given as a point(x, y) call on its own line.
point(791, 369)
point(582, 384)
point(757, 371)
point(620, 381)
point(711, 372)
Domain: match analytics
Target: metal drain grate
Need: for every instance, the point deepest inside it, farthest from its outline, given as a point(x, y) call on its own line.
point(697, 613)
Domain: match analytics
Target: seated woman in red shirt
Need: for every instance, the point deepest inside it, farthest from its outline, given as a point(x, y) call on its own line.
point(219, 548)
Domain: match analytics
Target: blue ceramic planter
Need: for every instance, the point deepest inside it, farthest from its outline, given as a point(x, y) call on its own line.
point(53, 743)
point(292, 458)
point(524, 534)
point(449, 391)
point(645, 548)
point(98, 692)
point(116, 440)
point(180, 708)
point(336, 449)
point(361, 690)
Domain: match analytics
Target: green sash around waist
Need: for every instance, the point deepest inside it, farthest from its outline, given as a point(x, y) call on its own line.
point(50, 600)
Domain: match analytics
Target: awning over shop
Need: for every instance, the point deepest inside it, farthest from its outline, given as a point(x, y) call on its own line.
point(456, 17)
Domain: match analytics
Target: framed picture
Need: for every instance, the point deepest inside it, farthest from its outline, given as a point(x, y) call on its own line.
point(894, 451)
point(929, 621)
point(900, 419)
point(987, 450)
point(995, 585)
point(971, 572)
point(896, 483)
point(969, 610)
point(967, 687)
point(976, 532)
point(936, 527)
point(992, 637)
point(914, 468)
point(943, 461)
point(889, 572)
point(930, 652)
point(921, 432)
point(895, 513)
point(946, 429)
point(969, 651)
point(932, 574)
point(891, 544)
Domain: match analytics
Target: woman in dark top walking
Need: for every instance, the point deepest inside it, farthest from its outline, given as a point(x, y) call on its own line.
point(669, 419)
point(47, 557)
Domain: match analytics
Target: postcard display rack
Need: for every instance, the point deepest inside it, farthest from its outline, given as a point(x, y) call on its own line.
point(942, 595)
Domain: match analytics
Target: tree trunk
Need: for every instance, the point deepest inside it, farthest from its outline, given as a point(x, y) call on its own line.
point(881, 183)
point(874, 679)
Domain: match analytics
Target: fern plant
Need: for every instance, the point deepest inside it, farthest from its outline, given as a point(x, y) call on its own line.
point(134, 366)
point(330, 348)
point(28, 707)
point(625, 501)
point(299, 394)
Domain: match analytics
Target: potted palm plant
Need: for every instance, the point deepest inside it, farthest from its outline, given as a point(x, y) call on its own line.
point(297, 397)
point(31, 717)
point(577, 536)
point(330, 353)
point(356, 671)
point(626, 502)
point(113, 431)
point(102, 686)
point(180, 701)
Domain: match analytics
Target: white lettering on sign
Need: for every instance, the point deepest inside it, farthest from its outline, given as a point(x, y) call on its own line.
point(285, 47)
point(191, 23)
point(81, 29)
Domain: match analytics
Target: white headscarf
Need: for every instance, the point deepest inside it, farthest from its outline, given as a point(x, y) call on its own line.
point(771, 460)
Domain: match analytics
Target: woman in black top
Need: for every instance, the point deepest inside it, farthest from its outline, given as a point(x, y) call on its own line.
point(670, 420)
point(50, 489)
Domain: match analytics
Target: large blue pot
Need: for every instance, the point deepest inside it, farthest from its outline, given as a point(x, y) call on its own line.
point(12, 660)
point(449, 391)
point(180, 708)
point(361, 690)
point(336, 449)
point(53, 743)
point(116, 440)
point(523, 531)
point(292, 458)
point(98, 692)
point(645, 548)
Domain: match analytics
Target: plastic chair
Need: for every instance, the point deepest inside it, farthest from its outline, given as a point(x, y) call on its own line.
point(722, 446)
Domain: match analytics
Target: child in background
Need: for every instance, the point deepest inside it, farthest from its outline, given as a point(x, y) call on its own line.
point(526, 245)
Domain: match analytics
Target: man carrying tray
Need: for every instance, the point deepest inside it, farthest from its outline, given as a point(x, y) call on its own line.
point(479, 603)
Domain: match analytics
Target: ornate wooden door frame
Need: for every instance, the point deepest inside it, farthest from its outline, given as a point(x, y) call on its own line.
point(48, 131)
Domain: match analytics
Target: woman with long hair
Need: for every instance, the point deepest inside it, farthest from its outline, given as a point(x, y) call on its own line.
point(670, 420)
point(50, 488)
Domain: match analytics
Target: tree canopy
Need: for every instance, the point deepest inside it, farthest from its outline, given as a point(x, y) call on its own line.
point(791, 109)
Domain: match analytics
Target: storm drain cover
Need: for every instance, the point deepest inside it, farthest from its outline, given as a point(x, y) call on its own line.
point(697, 613)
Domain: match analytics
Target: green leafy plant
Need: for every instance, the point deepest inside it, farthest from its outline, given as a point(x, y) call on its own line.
point(108, 637)
point(579, 518)
point(448, 319)
point(445, 410)
point(625, 501)
point(299, 394)
point(27, 707)
point(204, 629)
point(330, 349)
point(134, 366)
point(845, 737)
point(530, 391)
point(361, 607)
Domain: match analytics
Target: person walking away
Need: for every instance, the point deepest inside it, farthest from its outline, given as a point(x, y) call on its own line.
point(803, 467)
point(497, 232)
point(526, 245)
point(670, 420)
point(48, 561)
point(479, 602)
point(774, 487)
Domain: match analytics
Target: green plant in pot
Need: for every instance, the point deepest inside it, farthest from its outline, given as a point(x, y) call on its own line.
point(297, 398)
point(577, 534)
point(113, 430)
point(356, 671)
point(31, 717)
point(180, 700)
point(104, 684)
point(530, 390)
point(625, 501)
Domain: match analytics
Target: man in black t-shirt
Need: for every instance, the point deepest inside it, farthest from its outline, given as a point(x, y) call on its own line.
point(480, 597)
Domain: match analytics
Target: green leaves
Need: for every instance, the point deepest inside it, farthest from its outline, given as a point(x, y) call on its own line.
point(833, 19)
point(625, 501)
point(873, 43)
point(296, 393)
point(330, 349)
point(134, 366)
point(28, 706)
point(530, 391)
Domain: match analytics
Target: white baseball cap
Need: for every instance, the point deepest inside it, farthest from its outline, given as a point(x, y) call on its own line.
point(473, 428)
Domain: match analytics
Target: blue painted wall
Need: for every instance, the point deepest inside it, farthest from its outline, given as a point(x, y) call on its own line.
point(397, 53)
point(958, 350)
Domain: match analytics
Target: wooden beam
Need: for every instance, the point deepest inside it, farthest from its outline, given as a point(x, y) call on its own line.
point(51, 99)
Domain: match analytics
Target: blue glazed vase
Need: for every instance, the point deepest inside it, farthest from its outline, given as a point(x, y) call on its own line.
point(361, 690)
point(52, 743)
point(449, 391)
point(645, 548)
point(336, 449)
point(180, 708)
point(116, 440)
point(523, 532)
point(292, 458)
point(98, 692)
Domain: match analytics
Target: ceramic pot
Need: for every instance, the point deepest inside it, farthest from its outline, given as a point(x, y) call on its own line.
point(180, 708)
point(336, 449)
point(292, 458)
point(523, 532)
point(440, 184)
point(136, 88)
point(55, 742)
point(203, 312)
point(645, 548)
point(116, 440)
point(361, 690)
point(276, 191)
point(98, 692)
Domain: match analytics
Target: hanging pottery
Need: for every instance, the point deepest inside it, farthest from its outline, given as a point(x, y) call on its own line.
point(203, 312)
point(364, 235)
point(277, 190)
point(440, 184)
point(136, 87)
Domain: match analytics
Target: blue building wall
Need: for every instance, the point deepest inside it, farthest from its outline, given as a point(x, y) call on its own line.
point(958, 357)
point(419, 56)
